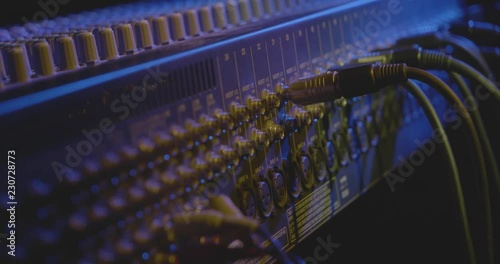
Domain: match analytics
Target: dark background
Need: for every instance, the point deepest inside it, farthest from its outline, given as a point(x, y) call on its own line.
point(18, 9)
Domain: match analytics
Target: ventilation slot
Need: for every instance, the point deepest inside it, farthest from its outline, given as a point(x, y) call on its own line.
point(181, 83)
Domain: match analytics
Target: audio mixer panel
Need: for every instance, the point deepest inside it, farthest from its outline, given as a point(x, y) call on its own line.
point(120, 138)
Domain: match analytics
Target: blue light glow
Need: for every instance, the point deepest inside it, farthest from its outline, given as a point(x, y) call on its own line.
point(30, 100)
point(172, 247)
point(139, 214)
point(115, 181)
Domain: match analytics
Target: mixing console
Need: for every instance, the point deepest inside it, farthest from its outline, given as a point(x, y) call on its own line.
point(125, 118)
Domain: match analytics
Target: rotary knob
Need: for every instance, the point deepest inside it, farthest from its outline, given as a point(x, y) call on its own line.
point(268, 6)
point(18, 66)
point(67, 53)
point(245, 10)
point(44, 62)
point(220, 15)
point(161, 33)
point(87, 48)
point(257, 8)
point(279, 5)
point(107, 44)
point(207, 21)
point(143, 34)
point(126, 40)
point(193, 22)
point(232, 12)
point(179, 31)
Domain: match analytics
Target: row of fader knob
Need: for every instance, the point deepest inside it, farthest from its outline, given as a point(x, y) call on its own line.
point(43, 52)
point(229, 11)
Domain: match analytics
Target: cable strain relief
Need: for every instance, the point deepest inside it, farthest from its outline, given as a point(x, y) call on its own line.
point(433, 58)
point(389, 74)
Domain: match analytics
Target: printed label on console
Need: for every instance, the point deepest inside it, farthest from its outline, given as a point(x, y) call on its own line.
point(309, 212)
